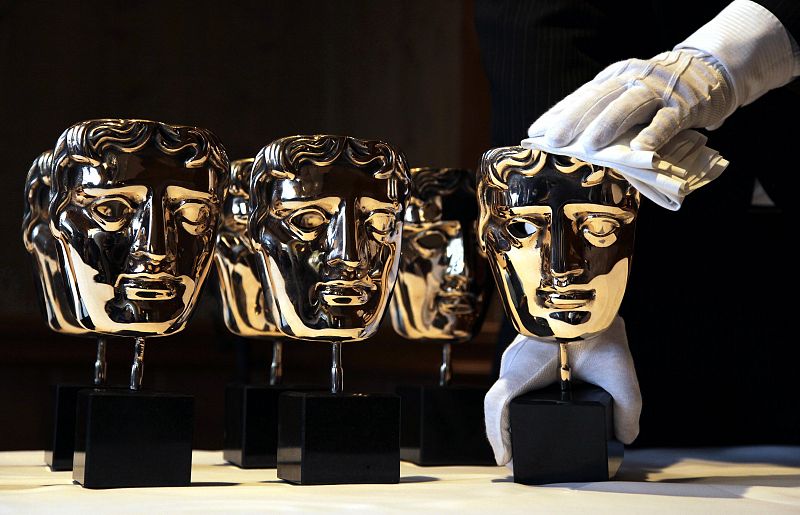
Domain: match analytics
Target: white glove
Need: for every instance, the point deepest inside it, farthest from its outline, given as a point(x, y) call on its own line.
point(729, 62)
point(529, 364)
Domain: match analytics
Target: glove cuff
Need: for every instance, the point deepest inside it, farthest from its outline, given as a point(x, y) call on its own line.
point(751, 44)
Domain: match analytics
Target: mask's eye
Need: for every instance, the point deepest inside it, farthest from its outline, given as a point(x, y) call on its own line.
point(521, 228)
point(600, 231)
point(432, 240)
point(380, 223)
point(111, 213)
point(309, 220)
point(194, 217)
point(306, 223)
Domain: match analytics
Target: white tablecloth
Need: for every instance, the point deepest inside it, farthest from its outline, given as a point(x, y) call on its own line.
point(728, 481)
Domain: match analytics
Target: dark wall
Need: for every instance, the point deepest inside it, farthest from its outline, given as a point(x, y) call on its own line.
point(405, 72)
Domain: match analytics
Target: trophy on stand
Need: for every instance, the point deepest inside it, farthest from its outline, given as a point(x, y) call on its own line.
point(39, 243)
point(441, 294)
point(251, 411)
point(559, 236)
point(134, 208)
point(326, 218)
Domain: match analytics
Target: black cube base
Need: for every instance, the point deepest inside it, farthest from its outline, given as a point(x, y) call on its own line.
point(60, 444)
point(443, 425)
point(251, 424)
point(564, 441)
point(326, 439)
point(132, 439)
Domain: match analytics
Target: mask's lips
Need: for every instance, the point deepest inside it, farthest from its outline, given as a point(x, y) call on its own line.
point(148, 286)
point(344, 293)
point(564, 299)
point(456, 302)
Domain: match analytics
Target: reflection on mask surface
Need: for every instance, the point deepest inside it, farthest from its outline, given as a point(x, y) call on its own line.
point(326, 221)
point(41, 245)
point(442, 282)
point(559, 235)
point(135, 208)
point(240, 287)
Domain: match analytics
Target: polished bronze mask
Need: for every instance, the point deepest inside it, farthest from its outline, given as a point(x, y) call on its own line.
point(41, 245)
point(326, 221)
point(243, 299)
point(135, 208)
point(441, 286)
point(559, 236)
point(50, 277)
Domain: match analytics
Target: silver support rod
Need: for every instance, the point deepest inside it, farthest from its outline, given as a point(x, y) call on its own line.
point(137, 370)
point(100, 363)
point(276, 367)
point(446, 368)
point(565, 372)
point(337, 374)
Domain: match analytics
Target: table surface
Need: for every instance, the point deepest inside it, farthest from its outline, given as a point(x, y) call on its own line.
point(724, 480)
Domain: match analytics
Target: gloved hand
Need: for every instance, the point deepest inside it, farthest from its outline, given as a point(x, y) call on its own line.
point(528, 364)
point(732, 60)
point(672, 91)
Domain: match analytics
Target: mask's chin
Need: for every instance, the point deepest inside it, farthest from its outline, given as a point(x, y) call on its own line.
point(571, 317)
point(150, 305)
point(576, 325)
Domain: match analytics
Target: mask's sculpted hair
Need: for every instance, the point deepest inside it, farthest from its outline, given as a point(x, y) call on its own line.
point(498, 164)
point(441, 193)
point(89, 143)
point(38, 178)
point(241, 170)
point(432, 182)
point(283, 159)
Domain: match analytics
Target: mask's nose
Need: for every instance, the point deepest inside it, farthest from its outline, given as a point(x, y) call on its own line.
point(344, 241)
point(150, 248)
point(457, 272)
point(565, 261)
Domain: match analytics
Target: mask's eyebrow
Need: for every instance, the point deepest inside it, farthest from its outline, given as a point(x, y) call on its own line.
point(579, 210)
point(284, 207)
point(529, 210)
point(181, 193)
point(370, 204)
point(135, 193)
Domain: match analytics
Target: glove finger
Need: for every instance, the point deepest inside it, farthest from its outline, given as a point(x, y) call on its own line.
point(541, 125)
point(625, 392)
point(497, 425)
point(580, 113)
point(615, 69)
point(666, 123)
point(634, 107)
point(606, 361)
point(526, 365)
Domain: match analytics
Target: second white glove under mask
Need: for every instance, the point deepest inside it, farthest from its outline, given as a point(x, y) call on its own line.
point(529, 364)
point(670, 92)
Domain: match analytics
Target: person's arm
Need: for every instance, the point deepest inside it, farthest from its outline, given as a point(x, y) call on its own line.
point(732, 60)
